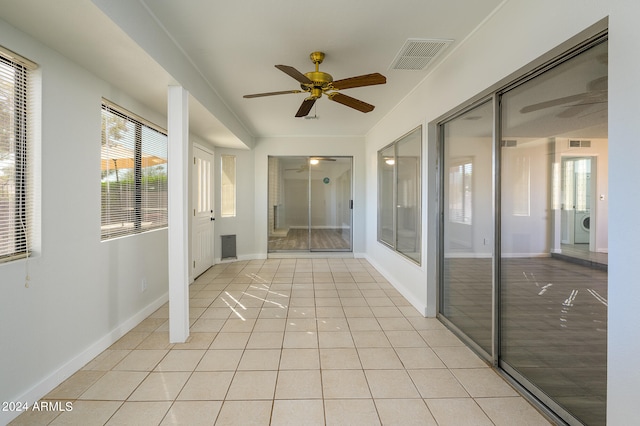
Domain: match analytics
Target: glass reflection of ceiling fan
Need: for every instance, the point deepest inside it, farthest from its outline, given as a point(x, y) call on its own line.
point(597, 92)
point(312, 161)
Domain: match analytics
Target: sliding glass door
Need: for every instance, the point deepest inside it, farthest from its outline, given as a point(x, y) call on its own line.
point(523, 231)
point(310, 204)
point(553, 316)
point(330, 204)
point(467, 261)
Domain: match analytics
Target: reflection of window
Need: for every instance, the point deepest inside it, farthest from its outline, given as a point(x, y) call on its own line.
point(16, 160)
point(461, 192)
point(386, 203)
point(583, 175)
point(134, 174)
point(399, 202)
point(228, 186)
point(522, 186)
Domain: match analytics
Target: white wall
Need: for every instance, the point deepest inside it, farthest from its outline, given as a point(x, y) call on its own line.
point(403, 273)
point(306, 146)
point(515, 35)
point(526, 222)
point(83, 293)
point(475, 239)
point(623, 359)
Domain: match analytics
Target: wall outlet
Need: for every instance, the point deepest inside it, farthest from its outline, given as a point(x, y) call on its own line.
point(143, 285)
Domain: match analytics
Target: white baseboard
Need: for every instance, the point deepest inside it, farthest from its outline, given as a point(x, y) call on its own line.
point(80, 360)
point(242, 257)
point(312, 255)
point(422, 308)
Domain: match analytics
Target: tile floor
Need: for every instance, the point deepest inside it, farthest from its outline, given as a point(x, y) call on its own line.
point(290, 342)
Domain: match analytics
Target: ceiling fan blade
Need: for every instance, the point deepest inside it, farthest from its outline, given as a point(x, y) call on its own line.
point(359, 81)
point(351, 102)
point(555, 102)
point(292, 72)
point(284, 92)
point(578, 109)
point(305, 108)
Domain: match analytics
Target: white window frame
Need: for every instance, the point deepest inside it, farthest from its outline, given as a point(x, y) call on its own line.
point(395, 161)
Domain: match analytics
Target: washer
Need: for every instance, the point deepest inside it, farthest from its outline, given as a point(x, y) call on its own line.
point(582, 227)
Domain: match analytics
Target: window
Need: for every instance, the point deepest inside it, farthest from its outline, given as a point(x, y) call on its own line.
point(133, 163)
point(399, 200)
point(16, 156)
point(228, 184)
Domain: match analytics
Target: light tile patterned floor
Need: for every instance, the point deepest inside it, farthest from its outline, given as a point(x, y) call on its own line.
point(290, 342)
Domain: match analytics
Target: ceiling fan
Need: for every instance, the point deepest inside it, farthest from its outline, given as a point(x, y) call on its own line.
point(574, 104)
point(317, 82)
point(312, 161)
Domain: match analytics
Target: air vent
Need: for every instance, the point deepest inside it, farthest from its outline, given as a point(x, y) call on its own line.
point(509, 143)
point(579, 144)
point(416, 54)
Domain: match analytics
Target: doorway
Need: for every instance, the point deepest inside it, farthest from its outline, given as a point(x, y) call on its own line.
point(203, 211)
point(577, 201)
point(310, 204)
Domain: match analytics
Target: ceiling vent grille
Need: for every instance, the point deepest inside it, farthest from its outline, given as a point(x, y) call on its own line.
point(579, 144)
point(416, 54)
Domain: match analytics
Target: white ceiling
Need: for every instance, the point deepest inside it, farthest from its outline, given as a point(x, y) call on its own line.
point(234, 45)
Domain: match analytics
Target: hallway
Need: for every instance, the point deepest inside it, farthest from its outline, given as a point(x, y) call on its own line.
point(290, 341)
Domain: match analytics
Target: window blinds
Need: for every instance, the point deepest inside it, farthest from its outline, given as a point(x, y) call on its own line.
point(16, 156)
point(133, 164)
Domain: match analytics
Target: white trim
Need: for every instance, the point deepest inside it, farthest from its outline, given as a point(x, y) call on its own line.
point(311, 255)
point(203, 148)
point(10, 55)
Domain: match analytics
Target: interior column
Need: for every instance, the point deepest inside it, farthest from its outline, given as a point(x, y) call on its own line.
point(178, 150)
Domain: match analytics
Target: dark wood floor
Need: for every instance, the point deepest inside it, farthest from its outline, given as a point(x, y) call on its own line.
point(320, 239)
point(553, 323)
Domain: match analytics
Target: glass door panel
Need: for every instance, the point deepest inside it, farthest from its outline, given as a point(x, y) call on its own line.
point(330, 203)
point(310, 204)
point(553, 305)
point(288, 203)
point(467, 264)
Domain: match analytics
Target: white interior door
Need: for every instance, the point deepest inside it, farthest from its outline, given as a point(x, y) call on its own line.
point(203, 217)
